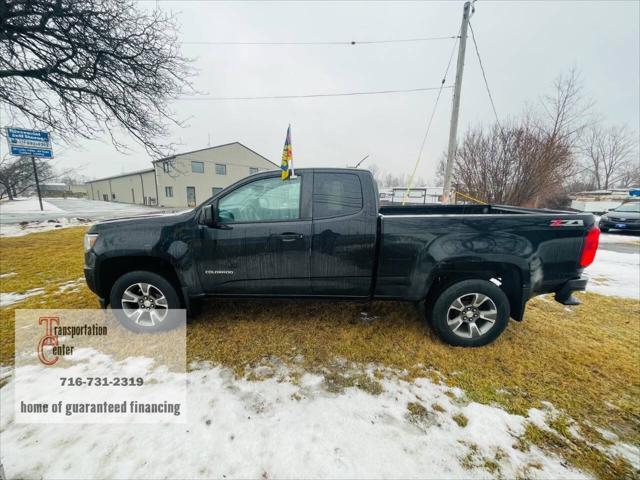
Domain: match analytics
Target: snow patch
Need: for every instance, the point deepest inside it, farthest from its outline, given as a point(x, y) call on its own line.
point(275, 428)
point(616, 274)
point(620, 238)
point(7, 299)
point(27, 205)
point(631, 453)
point(25, 228)
point(71, 285)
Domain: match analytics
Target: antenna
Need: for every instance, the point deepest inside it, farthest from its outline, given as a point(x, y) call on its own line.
point(360, 162)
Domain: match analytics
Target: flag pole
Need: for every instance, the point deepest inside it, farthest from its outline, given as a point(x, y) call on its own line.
point(293, 173)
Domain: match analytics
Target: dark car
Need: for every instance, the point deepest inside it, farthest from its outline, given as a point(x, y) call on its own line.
point(323, 235)
point(624, 217)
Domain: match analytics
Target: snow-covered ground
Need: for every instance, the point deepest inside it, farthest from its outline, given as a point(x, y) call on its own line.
point(623, 237)
point(25, 228)
point(28, 210)
point(23, 216)
point(279, 428)
point(27, 205)
point(616, 268)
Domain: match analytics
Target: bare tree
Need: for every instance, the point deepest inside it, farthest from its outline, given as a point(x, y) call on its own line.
point(631, 176)
point(80, 68)
point(526, 161)
point(387, 179)
point(16, 175)
point(610, 155)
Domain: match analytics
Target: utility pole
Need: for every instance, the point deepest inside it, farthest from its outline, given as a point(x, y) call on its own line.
point(455, 110)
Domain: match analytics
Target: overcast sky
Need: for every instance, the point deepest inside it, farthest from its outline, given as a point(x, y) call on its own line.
point(524, 46)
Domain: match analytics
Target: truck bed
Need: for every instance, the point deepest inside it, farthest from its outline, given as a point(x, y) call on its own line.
point(438, 209)
point(536, 249)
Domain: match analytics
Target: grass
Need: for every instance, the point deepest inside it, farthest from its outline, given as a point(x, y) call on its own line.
point(578, 452)
point(584, 360)
point(460, 419)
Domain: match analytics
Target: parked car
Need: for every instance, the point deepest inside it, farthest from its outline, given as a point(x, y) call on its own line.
point(323, 235)
point(623, 217)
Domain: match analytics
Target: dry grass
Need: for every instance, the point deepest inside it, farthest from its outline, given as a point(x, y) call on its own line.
point(578, 452)
point(460, 419)
point(584, 360)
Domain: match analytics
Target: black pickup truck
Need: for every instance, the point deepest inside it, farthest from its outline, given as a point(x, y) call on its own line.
point(323, 234)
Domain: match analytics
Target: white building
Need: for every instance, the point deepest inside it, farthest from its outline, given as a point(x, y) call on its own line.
point(420, 195)
point(182, 180)
point(599, 201)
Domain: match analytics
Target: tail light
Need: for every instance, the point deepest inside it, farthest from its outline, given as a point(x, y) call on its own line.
point(589, 247)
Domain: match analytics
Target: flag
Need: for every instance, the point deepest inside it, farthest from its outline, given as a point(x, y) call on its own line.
point(287, 158)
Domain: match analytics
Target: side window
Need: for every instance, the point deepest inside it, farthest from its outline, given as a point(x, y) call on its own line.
point(269, 199)
point(221, 169)
point(336, 194)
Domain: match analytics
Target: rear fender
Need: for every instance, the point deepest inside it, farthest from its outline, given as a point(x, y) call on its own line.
point(508, 277)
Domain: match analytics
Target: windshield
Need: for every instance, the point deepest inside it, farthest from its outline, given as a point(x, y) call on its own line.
point(629, 207)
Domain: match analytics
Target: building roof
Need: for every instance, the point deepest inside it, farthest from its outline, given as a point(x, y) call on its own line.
point(137, 172)
point(212, 148)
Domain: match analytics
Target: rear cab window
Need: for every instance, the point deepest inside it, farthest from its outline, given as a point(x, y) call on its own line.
point(336, 195)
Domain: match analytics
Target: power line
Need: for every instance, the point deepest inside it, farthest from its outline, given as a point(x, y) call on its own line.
point(484, 76)
point(433, 113)
point(319, 95)
point(349, 42)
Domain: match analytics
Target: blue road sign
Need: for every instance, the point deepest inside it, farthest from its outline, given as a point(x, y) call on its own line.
point(32, 143)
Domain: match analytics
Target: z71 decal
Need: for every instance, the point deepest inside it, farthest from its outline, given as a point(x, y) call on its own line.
point(566, 223)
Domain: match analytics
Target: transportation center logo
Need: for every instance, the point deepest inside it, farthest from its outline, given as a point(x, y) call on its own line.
point(49, 339)
point(50, 348)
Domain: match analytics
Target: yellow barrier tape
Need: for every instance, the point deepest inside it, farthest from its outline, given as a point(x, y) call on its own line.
point(469, 197)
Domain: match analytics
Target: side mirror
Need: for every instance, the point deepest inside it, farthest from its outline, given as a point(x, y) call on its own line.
point(210, 215)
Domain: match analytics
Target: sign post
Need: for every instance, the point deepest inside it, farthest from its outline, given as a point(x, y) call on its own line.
point(35, 174)
point(32, 143)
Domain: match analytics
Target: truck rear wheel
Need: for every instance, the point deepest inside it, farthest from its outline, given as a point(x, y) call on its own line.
point(142, 301)
point(470, 313)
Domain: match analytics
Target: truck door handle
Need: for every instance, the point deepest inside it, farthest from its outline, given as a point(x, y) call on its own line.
point(290, 237)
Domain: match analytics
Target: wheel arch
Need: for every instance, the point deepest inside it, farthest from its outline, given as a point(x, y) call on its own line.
point(113, 268)
point(507, 276)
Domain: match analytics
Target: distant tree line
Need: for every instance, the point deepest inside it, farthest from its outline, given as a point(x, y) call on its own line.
point(386, 179)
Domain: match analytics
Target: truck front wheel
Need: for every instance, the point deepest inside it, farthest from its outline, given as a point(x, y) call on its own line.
point(142, 301)
point(470, 313)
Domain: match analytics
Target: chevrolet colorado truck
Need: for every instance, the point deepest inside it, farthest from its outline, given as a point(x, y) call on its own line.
point(322, 234)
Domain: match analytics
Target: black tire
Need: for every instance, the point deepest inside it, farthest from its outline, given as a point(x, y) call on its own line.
point(453, 328)
point(159, 286)
point(604, 229)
